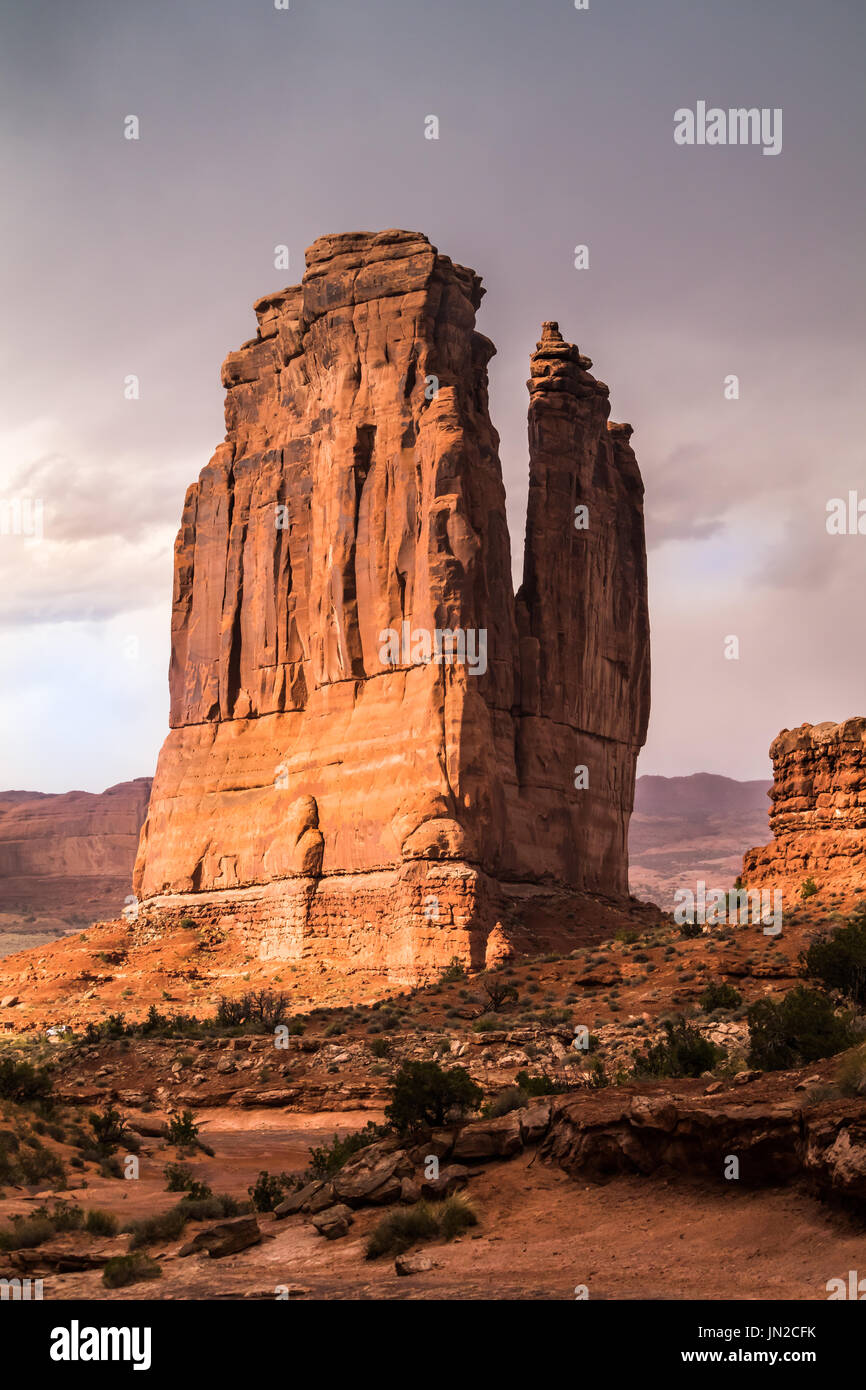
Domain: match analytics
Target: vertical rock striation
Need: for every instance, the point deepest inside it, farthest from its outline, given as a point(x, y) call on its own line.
point(327, 788)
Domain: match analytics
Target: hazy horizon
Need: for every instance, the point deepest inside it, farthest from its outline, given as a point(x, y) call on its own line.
point(267, 128)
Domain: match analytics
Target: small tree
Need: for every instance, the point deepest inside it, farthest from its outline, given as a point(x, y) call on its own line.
point(498, 993)
point(683, 1051)
point(839, 960)
point(423, 1094)
point(808, 887)
point(719, 996)
point(803, 1027)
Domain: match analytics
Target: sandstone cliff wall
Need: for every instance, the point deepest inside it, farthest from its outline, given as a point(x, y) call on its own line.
point(318, 792)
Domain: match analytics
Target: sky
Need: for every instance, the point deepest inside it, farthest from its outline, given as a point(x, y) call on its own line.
point(261, 127)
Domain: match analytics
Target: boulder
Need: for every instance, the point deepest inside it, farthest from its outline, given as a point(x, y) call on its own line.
point(333, 1223)
point(225, 1238)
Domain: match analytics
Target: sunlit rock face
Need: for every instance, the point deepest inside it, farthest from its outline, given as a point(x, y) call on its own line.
point(378, 755)
point(818, 815)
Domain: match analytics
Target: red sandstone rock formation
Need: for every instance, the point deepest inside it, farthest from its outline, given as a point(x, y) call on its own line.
point(818, 818)
point(329, 790)
point(70, 857)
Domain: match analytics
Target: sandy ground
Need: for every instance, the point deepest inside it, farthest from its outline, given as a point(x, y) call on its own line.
point(540, 1234)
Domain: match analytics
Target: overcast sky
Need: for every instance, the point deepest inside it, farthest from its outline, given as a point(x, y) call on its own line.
point(260, 127)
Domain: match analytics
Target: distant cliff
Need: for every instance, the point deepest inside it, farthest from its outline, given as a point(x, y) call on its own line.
point(688, 828)
point(66, 860)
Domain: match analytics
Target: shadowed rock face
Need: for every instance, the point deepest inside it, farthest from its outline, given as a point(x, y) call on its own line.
point(818, 815)
point(326, 786)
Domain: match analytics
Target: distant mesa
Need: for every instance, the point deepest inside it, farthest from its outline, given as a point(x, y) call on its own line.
point(66, 860)
point(324, 792)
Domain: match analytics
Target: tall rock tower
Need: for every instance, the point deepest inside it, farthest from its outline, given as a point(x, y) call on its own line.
point(376, 753)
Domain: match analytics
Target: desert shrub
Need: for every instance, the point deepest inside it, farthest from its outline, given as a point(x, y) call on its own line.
point(537, 1085)
point(40, 1165)
point(851, 1074)
point(497, 992)
point(381, 1047)
point(801, 1028)
point(109, 1128)
point(64, 1216)
point(210, 1207)
point(269, 1190)
point(808, 888)
point(423, 1094)
point(690, 931)
point(178, 1177)
point(26, 1232)
point(165, 1225)
point(121, 1270)
point(24, 1083)
point(101, 1223)
point(328, 1159)
point(839, 960)
point(486, 1024)
point(512, 1098)
point(456, 1215)
point(423, 1221)
point(261, 1011)
point(719, 996)
point(453, 972)
point(627, 935)
point(683, 1051)
point(400, 1229)
point(182, 1130)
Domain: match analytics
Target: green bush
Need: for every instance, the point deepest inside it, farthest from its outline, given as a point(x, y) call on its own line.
point(24, 1083)
point(269, 1190)
point(719, 996)
point(109, 1128)
point(537, 1085)
point(423, 1094)
point(423, 1221)
point(690, 931)
point(851, 1074)
point(182, 1130)
point(121, 1270)
point(453, 972)
point(210, 1207)
point(381, 1047)
point(803, 1027)
point(179, 1177)
point(101, 1223)
point(329, 1158)
point(26, 1232)
point(839, 960)
point(512, 1098)
point(456, 1215)
point(808, 888)
point(400, 1229)
point(683, 1051)
point(166, 1225)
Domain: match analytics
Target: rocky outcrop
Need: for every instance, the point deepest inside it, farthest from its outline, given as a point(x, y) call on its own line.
point(818, 815)
point(69, 857)
point(378, 756)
